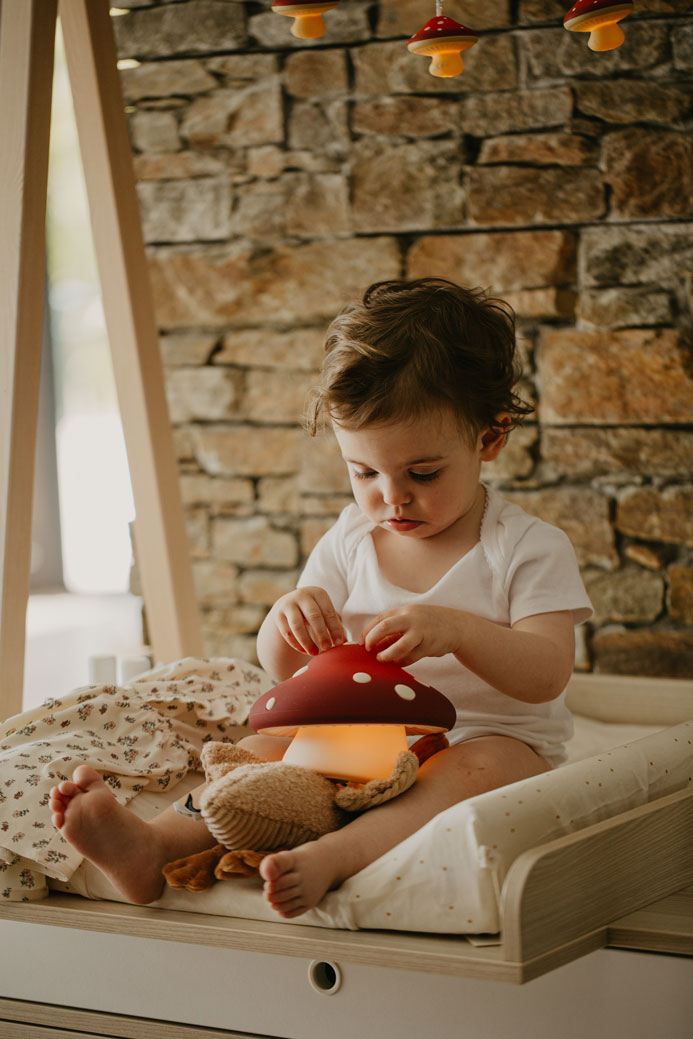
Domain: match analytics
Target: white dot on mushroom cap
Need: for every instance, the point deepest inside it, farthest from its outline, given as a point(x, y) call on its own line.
point(362, 676)
point(300, 671)
point(405, 691)
point(270, 703)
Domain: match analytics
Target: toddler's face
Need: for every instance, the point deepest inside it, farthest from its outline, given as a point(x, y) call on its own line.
point(416, 479)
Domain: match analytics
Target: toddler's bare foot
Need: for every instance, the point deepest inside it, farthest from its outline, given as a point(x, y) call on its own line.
point(125, 848)
point(296, 880)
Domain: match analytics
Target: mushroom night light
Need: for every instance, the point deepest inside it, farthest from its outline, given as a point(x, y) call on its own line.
point(443, 40)
point(349, 714)
point(600, 19)
point(307, 15)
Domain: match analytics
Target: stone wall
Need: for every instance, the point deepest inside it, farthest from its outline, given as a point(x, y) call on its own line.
point(277, 178)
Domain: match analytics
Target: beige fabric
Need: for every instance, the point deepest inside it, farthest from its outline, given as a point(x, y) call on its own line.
point(262, 806)
point(377, 791)
point(145, 736)
point(270, 805)
point(448, 876)
point(253, 807)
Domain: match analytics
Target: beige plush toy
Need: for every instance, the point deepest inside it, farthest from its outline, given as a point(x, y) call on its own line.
point(333, 768)
point(254, 807)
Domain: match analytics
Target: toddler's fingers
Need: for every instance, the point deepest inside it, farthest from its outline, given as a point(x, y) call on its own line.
point(294, 631)
point(383, 631)
point(400, 653)
point(324, 625)
point(330, 618)
point(398, 647)
point(288, 637)
point(335, 628)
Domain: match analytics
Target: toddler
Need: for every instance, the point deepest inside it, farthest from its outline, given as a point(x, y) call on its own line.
point(429, 568)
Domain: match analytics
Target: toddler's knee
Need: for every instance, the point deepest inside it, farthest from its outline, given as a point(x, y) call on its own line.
point(267, 748)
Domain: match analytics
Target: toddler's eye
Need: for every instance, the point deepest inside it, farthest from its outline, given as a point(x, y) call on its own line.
point(363, 475)
point(425, 477)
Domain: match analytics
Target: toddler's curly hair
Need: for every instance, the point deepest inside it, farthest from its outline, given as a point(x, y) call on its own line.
point(409, 347)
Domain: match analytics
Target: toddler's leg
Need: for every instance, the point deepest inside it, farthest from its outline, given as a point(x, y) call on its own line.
point(131, 853)
point(297, 880)
point(267, 748)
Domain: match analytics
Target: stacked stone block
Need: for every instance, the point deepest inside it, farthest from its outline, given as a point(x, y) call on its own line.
point(279, 177)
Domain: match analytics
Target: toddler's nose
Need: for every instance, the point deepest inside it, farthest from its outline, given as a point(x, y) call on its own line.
point(395, 494)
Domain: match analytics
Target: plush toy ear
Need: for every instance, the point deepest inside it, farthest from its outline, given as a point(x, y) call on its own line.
point(220, 758)
point(377, 791)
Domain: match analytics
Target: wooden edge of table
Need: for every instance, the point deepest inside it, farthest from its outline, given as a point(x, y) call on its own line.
point(628, 699)
point(47, 1021)
point(663, 926)
point(428, 953)
point(560, 901)
point(559, 893)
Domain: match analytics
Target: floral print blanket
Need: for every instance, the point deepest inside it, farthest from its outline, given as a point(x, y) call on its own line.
point(146, 735)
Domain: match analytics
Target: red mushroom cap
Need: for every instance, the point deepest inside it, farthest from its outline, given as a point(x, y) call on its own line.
point(587, 7)
point(440, 28)
point(348, 685)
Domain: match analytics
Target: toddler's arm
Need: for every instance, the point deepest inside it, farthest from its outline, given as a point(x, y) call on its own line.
point(300, 622)
point(531, 661)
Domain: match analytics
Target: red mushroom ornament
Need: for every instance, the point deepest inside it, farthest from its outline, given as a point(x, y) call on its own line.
point(307, 15)
point(443, 40)
point(600, 19)
point(349, 713)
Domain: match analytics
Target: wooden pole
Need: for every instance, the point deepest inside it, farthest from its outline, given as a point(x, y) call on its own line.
point(27, 43)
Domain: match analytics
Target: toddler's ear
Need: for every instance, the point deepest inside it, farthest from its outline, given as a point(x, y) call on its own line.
point(493, 439)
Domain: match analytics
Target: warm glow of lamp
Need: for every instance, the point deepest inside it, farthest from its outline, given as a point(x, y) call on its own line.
point(600, 19)
point(355, 753)
point(442, 39)
point(307, 15)
point(350, 714)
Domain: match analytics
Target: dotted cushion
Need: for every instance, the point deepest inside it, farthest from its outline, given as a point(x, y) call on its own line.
point(448, 877)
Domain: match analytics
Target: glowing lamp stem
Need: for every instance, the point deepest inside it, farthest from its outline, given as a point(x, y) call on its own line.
point(354, 753)
point(446, 64)
point(606, 37)
point(308, 27)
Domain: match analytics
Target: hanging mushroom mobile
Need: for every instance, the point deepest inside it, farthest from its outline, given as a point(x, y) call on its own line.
point(600, 19)
point(349, 714)
point(443, 40)
point(307, 15)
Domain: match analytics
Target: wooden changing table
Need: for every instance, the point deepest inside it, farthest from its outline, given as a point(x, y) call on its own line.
point(591, 912)
point(620, 993)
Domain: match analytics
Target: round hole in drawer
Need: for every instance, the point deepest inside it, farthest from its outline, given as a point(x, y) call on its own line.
point(325, 977)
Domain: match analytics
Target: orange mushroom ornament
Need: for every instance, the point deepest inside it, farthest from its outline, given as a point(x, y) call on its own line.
point(307, 15)
point(600, 19)
point(349, 714)
point(443, 40)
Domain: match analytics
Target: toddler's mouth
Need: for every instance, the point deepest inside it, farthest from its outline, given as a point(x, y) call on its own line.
point(401, 523)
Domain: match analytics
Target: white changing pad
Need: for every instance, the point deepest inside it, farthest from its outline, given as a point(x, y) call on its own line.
point(448, 877)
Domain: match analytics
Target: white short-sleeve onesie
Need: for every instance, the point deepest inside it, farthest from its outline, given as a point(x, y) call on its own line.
point(520, 567)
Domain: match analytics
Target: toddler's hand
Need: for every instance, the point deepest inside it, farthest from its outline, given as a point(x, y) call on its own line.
point(307, 620)
point(405, 634)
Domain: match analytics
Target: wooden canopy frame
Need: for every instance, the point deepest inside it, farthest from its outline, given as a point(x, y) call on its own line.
point(560, 900)
point(27, 39)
